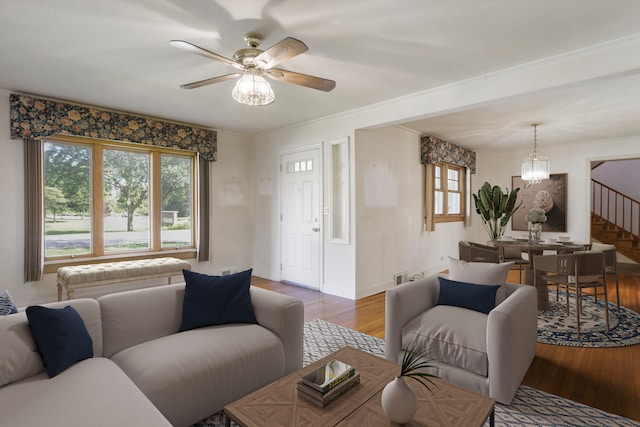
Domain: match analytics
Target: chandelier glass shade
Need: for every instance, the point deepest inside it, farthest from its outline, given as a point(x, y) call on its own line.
point(253, 89)
point(535, 167)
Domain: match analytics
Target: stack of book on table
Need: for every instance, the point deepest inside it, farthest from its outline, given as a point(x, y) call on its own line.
point(325, 384)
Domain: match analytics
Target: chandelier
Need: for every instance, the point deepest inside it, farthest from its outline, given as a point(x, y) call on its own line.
point(535, 167)
point(253, 89)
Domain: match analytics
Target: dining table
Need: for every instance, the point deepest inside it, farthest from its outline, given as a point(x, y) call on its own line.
point(537, 248)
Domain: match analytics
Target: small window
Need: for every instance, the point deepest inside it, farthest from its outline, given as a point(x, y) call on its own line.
point(449, 190)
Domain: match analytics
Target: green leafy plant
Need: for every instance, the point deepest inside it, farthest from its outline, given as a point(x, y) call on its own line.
point(495, 207)
point(414, 361)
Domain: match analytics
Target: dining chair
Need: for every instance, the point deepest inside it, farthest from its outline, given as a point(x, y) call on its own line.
point(477, 252)
point(577, 272)
point(610, 263)
point(611, 269)
point(513, 254)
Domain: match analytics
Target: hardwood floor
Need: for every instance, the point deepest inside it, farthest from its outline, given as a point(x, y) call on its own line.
point(608, 379)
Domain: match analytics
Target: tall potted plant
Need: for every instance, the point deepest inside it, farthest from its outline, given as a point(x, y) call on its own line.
point(495, 207)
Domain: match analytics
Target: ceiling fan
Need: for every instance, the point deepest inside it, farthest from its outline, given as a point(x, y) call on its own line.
point(253, 64)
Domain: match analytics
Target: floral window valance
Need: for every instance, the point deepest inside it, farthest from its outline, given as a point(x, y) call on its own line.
point(36, 118)
point(434, 150)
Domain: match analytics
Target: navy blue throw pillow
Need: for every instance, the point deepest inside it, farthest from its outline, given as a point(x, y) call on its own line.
point(216, 300)
point(61, 336)
point(480, 298)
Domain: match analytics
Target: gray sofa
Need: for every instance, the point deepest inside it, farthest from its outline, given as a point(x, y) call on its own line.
point(143, 373)
point(488, 353)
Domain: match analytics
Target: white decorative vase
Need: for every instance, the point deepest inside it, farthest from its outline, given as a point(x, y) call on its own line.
point(399, 401)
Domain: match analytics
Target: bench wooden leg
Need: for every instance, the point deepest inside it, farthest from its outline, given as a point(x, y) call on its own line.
point(59, 292)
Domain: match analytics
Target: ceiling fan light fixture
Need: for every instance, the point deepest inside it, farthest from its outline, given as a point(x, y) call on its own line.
point(253, 89)
point(535, 167)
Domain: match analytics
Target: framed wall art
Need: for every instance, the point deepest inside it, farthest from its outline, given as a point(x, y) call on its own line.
point(550, 195)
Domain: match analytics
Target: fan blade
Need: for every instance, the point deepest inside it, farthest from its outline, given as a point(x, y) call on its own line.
point(285, 49)
point(210, 81)
point(181, 44)
point(301, 79)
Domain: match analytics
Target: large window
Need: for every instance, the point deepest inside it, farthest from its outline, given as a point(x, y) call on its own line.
point(110, 199)
point(449, 191)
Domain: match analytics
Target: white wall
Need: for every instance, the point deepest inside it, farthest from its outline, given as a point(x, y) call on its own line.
point(574, 159)
point(387, 235)
point(231, 216)
point(338, 275)
point(390, 238)
point(12, 217)
point(232, 206)
point(387, 202)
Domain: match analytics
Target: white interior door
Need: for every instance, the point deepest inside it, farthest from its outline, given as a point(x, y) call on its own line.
point(300, 219)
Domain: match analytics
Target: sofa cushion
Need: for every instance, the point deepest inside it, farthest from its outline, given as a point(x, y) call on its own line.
point(6, 304)
point(454, 336)
point(216, 300)
point(480, 298)
point(481, 273)
point(19, 356)
point(61, 337)
point(193, 374)
point(94, 392)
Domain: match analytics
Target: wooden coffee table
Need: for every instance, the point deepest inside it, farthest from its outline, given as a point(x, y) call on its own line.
point(278, 403)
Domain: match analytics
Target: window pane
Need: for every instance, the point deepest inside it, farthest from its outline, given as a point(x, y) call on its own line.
point(176, 200)
point(453, 201)
point(438, 175)
point(439, 203)
point(454, 179)
point(67, 199)
point(126, 201)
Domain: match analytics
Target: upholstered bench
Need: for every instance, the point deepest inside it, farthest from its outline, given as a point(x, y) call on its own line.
point(84, 276)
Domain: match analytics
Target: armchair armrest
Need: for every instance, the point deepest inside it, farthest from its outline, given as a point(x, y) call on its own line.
point(402, 304)
point(284, 316)
point(511, 341)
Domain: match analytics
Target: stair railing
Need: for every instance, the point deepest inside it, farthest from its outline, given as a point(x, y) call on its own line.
point(616, 208)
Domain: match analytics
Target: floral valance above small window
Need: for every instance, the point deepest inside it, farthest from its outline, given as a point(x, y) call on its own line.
point(434, 150)
point(36, 118)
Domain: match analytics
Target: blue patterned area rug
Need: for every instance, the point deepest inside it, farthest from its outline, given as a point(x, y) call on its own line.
point(530, 407)
point(558, 328)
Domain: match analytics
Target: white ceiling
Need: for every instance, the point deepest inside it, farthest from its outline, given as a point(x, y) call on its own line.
point(115, 54)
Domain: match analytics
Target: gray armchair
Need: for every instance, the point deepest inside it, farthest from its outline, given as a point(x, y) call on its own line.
point(489, 354)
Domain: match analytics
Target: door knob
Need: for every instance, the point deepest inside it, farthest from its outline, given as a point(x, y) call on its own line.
point(315, 229)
